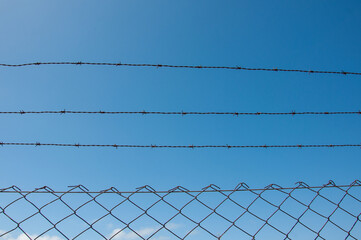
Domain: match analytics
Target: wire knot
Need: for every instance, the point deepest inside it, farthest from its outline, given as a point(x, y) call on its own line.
point(179, 188)
point(241, 185)
point(302, 184)
point(212, 186)
point(147, 187)
point(330, 183)
point(81, 187)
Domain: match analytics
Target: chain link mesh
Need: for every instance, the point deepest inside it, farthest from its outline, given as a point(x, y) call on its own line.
point(329, 211)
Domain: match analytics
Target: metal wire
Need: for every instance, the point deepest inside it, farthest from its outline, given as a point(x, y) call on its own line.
point(179, 66)
point(21, 112)
point(329, 211)
point(176, 146)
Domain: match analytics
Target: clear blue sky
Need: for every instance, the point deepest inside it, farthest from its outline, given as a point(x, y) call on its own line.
point(309, 34)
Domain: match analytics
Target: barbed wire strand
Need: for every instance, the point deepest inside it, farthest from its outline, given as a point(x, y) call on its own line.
point(21, 112)
point(176, 146)
point(179, 66)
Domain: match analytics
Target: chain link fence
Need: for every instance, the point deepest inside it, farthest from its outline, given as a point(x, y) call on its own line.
point(329, 211)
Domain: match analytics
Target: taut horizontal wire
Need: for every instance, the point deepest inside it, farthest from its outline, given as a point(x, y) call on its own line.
point(180, 113)
point(179, 66)
point(179, 189)
point(177, 146)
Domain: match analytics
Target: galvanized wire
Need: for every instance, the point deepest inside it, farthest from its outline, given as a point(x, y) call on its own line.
point(329, 211)
point(37, 144)
point(22, 112)
point(180, 66)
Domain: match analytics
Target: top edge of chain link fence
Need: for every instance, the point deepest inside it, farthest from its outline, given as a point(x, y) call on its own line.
point(300, 185)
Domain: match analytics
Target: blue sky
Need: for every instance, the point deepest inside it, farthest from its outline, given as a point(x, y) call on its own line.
point(321, 35)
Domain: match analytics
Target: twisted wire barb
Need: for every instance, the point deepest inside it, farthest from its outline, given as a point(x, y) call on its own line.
point(177, 146)
point(179, 66)
point(256, 212)
point(21, 112)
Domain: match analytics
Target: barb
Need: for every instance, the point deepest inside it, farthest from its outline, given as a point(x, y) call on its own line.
point(209, 213)
point(180, 66)
point(177, 146)
point(21, 112)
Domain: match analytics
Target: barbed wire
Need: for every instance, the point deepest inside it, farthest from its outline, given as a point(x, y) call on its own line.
point(301, 212)
point(179, 66)
point(176, 146)
point(21, 112)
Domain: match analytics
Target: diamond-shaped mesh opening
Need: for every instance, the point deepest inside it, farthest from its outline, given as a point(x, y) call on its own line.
point(355, 192)
point(178, 199)
point(41, 199)
point(16, 234)
point(282, 221)
point(243, 198)
point(127, 211)
point(300, 232)
point(180, 225)
point(135, 234)
point(90, 234)
point(249, 223)
point(75, 200)
point(110, 199)
point(163, 235)
point(146, 225)
point(216, 224)
point(20, 210)
point(6, 223)
point(50, 235)
point(332, 194)
point(198, 234)
point(91, 212)
point(72, 226)
point(196, 211)
point(235, 233)
point(144, 200)
point(107, 224)
point(275, 197)
point(293, 208)
point(38, 223)
point(162, 211)
point(304, 196)
point(8, 198)
point(230, 210)
point(356, 230)
point(351, 205)
point(212, 199)
point(262, 209)
point(330, 231)
point(56, 211)
point(267, 232)
point(313, 220)
point(323, 206)
point(342, 219)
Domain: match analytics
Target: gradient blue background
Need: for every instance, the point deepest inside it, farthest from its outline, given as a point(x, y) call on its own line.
point(322, 35)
